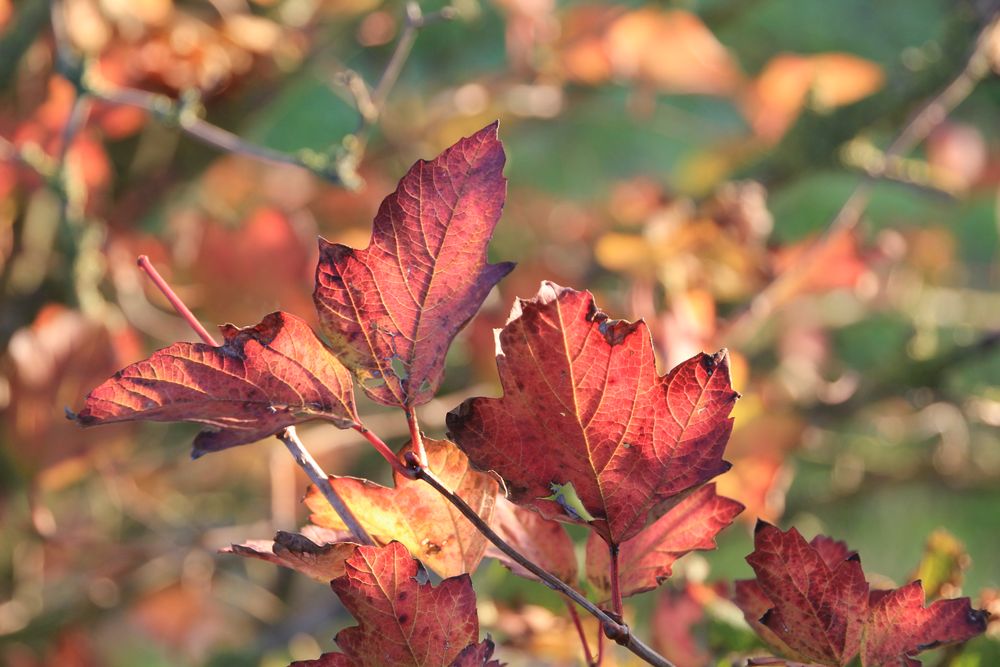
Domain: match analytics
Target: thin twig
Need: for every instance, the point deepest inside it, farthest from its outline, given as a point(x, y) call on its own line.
point(175, 300)
point(929, 116)
point(371, 104)
point(305, 460)
point(167, 109)
point(415, 438)
point(587, 655)
point(75, 122)
point(384, 450)
point(616, 583)
point(287, 435)
point(614, 629)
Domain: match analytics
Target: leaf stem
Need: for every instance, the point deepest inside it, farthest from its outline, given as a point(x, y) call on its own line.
point(588, 656)
point(415, 437)
point(616, 584)
point(613, 628)
point(175, 300)
point(290, 437)
point(384, 450)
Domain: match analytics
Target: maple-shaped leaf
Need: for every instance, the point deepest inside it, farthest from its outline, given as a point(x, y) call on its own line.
point(322, 560)
point(402, 623)
point(647, 559)
point(818, 608)
point(811, 602)
point(584, 405)
point(415, 514)
point(261, 380)
point(545, 543)
point(899, 626)
point(392, 309)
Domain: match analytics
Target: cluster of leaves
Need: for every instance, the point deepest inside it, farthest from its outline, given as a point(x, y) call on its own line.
point(583, 406)
point(867, 386)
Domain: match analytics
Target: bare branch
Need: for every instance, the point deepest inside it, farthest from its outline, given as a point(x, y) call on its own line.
point(305, 461)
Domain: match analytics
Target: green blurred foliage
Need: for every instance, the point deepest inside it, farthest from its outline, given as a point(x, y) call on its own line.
point(884, 361)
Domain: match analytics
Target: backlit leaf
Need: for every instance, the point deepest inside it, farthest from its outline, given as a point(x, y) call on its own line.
point(415, 514)
point(818, 608)
point(402, 623)
point(584, 405)
point(392, 309)
point(647, 559)
point(811, 602)
point(260, 380)
point(899, 626)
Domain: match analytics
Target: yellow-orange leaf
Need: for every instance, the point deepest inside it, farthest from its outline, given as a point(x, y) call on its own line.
point(415, 514)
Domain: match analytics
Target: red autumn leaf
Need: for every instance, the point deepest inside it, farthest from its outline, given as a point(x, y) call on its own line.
point(647, 559)
point(392, 309)
point(402, 623)
point(322, 560)
point(899, 626)
point(415, 514)
point(818, 608)
point(545, 543)
point(261, 380)
point(584, 405)
point(811, 602)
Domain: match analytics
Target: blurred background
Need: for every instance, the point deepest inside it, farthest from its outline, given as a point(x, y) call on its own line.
point(813, 185)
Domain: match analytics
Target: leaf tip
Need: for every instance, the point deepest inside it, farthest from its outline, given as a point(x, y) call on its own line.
point(761, 526)
point(978, 618)
point(714, 362)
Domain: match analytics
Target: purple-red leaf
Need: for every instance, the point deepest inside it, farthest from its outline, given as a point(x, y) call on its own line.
point(583, 404)
point(402, 623)
point(899, 626)
point(818, 607)
point(647, 559)
point(392, 309)
point(260, 380)
point(811, 602)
